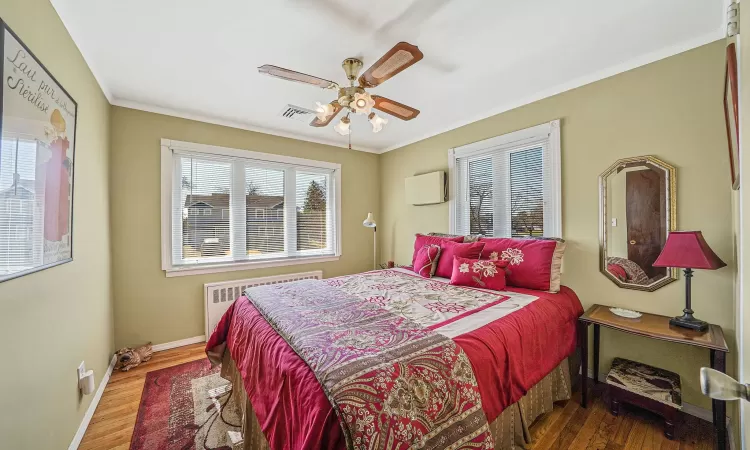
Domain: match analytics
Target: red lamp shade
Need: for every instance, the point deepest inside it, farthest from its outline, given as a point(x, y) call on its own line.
point(688, 249)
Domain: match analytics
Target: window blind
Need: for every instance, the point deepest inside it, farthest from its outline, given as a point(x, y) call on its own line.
point(21, 206)
point(526, 193)
point(264, 205)
point(228, 209)
point(507, 187)
point(314, 229)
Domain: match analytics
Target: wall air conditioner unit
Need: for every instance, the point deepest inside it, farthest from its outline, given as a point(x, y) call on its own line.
point(426, 189)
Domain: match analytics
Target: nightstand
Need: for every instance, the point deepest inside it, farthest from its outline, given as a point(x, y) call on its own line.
point(654, 326)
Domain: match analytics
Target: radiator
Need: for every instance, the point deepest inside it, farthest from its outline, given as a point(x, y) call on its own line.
point(218, 296)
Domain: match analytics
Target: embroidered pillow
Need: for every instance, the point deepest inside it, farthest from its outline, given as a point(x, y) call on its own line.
point(425, 263)
point(479, 273)
point(421, 240)
point(449, 249)
point(532, 263)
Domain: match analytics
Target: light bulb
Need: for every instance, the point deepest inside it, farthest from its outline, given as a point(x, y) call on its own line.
point(323, 112)
point(377, 122)
point(362, 103)
point(342, 127)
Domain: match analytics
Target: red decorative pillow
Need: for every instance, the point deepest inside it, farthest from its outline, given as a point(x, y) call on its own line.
point(533, 263)
point(426, 261)
point(480, 273)
point(421, 240)
point(449, 249)
point(617, 271)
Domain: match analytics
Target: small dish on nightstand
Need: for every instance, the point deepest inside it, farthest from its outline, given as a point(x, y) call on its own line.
point(627, 313)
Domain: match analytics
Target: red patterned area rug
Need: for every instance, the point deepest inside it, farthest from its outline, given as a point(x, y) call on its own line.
point(185, 407)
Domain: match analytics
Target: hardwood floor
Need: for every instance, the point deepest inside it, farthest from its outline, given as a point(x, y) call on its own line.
point(112, 425)
point(568, 426)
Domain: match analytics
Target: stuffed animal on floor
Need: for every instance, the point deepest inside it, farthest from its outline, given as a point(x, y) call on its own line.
point(127, 358)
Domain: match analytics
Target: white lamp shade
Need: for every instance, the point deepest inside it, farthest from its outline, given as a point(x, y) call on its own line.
point(362, 103)
point(342, 127)
point(377, 122)
point(369, 221)
point(323, 111)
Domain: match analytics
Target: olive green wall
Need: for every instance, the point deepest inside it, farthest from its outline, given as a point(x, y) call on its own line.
point(52, 320)
point(148, 305)
point(671, 109)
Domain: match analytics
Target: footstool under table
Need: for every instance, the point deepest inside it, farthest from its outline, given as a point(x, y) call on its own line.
point(648, 387)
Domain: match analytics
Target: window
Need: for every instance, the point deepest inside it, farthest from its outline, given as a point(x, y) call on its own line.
point(275, 210)
point(21, 206)
point(508, 186)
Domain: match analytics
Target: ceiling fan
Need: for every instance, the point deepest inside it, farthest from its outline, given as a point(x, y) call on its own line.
point(355, 97)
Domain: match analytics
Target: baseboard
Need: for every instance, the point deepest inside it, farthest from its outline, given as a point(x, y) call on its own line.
point(92, 406)
point(103, 384)
point(180, 343)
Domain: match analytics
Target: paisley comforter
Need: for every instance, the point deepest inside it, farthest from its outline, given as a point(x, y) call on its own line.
point(512, 339)
point(394, 383)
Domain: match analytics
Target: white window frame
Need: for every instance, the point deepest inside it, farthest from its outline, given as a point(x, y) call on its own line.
point(168, 147)
point(546, 134)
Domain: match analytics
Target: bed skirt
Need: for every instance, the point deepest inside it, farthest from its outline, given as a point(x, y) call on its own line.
point(510, 430)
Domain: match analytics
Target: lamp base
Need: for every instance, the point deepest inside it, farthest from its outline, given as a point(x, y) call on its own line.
point(688, 321)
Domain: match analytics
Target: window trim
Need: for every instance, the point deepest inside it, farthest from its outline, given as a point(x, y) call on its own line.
point(547, 134)
point(168, 146)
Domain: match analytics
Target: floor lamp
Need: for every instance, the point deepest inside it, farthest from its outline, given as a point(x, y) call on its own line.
point(370, 223)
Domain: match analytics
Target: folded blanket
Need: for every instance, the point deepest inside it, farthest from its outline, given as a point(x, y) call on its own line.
point(393, 383)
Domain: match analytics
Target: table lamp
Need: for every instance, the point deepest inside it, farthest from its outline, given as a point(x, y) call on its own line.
point(369, 222)
point(688, 250)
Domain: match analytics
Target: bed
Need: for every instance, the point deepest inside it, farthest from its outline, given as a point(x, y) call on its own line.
point(519, 343)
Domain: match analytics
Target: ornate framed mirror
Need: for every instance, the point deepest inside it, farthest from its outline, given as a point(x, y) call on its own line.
point(637, 211)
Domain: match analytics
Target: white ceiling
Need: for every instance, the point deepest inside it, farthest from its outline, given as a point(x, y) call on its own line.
point(198, 59)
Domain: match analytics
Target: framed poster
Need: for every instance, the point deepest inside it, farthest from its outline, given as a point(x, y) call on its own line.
point(38, 124)
point(732, 114)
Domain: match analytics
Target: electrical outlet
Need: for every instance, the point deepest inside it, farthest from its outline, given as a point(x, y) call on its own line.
point(81, 369)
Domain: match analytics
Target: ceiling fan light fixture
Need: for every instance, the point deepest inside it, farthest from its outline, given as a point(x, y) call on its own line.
point(377, 122)
point(324, 111)
point(362, 103)
point(342, 127)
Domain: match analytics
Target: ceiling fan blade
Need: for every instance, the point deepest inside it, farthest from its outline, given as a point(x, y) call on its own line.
point(336, 110)
point(291, 75)
point(395, 108)
point(402, 56)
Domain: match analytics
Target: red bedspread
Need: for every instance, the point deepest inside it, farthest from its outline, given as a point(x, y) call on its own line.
point(509, 356)
point(512, 354)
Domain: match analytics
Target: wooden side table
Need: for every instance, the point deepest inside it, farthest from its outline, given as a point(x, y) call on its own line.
point(655, 327)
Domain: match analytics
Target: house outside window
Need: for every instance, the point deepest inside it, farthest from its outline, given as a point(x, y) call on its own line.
point(275, 210)
point(508, 186)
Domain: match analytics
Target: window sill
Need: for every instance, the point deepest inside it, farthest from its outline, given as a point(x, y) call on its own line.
point(234, 267)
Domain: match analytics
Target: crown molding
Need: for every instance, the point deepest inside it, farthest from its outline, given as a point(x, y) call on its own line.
point(634, 63)
point(232, 124)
